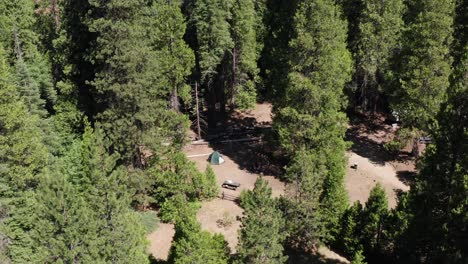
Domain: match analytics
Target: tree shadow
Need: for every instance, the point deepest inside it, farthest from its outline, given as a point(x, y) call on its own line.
point(296, 257)
point(407, 177)
point(153, 260)
point(361, 126)
point(367, 148)
point(247, 143)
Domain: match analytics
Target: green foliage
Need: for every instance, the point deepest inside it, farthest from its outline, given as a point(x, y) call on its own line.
point(437, 204)
point(32, 68)
point(311, 127)
point(374, 216)
point(349, 238)
point(209, 184)
point(176, 59)
point(379, 26)
point(403, 137)
point(262, 236)
point(149, 220)
point(191, 244)
point(358, 258)
point(424, 66)
point(23, 152)
point(177, 175)
point(244, 55)
point(214, 39)
point(134, 108)
point(304, 223)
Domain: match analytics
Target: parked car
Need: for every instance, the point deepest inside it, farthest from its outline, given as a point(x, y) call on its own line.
point(232, 185)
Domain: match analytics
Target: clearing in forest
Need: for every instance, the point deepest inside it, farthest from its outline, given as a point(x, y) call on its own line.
point(243, 159)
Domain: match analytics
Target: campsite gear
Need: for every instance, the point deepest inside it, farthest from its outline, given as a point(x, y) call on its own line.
point(216, 158)
point(230, 185)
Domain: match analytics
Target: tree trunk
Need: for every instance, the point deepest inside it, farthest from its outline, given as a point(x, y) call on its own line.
point(233, 84)
point(197, 110)
point(175, 105)
point(56, 11)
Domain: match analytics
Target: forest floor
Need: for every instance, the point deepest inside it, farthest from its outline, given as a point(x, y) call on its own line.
point(244, 161)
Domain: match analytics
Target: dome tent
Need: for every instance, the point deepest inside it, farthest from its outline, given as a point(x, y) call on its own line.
point(216, 158)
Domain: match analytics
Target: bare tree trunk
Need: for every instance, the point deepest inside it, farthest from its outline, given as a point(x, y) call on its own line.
point(233, 84)
point(175, 105)
point(198, 111)
point(56, 11)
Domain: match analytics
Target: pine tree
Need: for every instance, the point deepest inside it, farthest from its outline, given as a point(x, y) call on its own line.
point(437, 201)
point(214, 42)
point(460, 41)
point(120, 233)
point(210, 186)
point(425, 62)
point(349, 237)
point(191, 244)
point(274, 60)
point(311, 126)
point(380, 25)
point(374, 217)
point(244, 55)
point(32, 68)
point(133, 108)
point(177, 59)
point(304, 222)
point(262, 235)
point(64, 228)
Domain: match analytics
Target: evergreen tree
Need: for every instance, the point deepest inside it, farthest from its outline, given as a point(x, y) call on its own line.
point(303, 220)
point(191, 244)
point(274, 60)
point(312, 124)
point(437, 201)
point(24, 155)
point(262, 235)
point(460, 42)
point(374, 217)
point(349, 238)
point(177, 59)
point(64, 228)
point(32, 68)
point(380, 25)
point(104, 183)
point(425, 62)
point(244, 55)
point(214, 42)
point(133, 108)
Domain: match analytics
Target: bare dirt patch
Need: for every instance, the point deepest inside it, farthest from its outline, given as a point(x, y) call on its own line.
point(161, 241)
point(213, 211)
point(360, 181)
point(368, 135)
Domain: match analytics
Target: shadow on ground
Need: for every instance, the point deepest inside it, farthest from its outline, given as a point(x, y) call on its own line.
point(247, 143)
point(295, 257)
point(407, 177)
point(152, 260)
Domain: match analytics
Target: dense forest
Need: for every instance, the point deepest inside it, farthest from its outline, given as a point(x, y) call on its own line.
point(97, 98)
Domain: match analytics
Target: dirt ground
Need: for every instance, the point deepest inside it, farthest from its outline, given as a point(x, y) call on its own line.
point(161, 241)
point(360, 181)
point(214, 211)
point(374, 166)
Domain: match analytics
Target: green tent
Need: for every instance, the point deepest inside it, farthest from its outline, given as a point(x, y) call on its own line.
point(216, 158)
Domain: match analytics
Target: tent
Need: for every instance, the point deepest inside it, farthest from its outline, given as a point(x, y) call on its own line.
point(216, 158)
